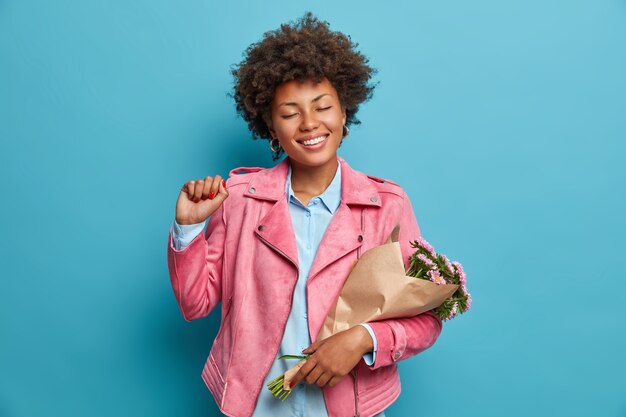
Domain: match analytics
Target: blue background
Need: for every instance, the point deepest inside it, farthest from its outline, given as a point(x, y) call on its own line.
point(504, 121)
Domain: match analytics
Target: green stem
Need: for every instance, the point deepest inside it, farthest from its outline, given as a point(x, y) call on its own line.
point(294, 357)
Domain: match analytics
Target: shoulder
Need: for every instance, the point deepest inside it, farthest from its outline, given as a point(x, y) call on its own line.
point(241, 175)
point(237, 184)
point(384, 185)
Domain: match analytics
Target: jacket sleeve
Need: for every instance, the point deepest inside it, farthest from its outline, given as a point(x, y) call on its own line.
point(183, 234)
point(196, 270)
point(399, 339)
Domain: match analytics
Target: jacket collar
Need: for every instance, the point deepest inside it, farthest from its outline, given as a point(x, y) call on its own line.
point(356, 187)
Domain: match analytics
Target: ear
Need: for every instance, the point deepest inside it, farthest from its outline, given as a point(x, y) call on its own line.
point(343, 118)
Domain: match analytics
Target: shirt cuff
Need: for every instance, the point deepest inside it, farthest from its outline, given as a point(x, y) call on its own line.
point(370, 357)
point(183, 234)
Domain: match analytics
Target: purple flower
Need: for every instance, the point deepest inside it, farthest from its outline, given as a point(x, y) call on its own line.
point(460, 271)
point(446, 261)
point(427, 246)
point(453, 311)
point(468, 302)
point(426, 261)
point(435, 277)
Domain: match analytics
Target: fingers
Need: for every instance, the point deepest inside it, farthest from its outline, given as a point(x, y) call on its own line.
point(223, 191)
point(192, 187)
point(313, 347)
point(335, 380)
point(188, 188)
point(207, 184)
point(213, 187)
point(197, 192)
point(314, 375)
point(302, 372)
point(312, 372)
point(205, 188)
point(323, 379)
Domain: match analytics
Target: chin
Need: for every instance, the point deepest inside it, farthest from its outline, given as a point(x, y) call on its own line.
point(314, 160)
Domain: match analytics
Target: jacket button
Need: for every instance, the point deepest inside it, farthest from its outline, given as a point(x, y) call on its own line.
point(251, 190)
point(261, 227)
point(360, 238)
point(373, 199)
point(396, 355)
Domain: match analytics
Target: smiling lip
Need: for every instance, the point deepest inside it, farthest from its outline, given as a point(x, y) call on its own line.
point(309, 137)
point(317, 146)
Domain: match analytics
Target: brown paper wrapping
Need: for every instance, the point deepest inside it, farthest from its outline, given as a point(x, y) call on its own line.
point(290, 373)
point(377, 288)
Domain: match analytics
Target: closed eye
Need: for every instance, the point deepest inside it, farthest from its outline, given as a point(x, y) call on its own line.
point(289, 116)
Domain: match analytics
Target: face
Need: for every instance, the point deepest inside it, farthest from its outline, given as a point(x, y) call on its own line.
point(307, 119)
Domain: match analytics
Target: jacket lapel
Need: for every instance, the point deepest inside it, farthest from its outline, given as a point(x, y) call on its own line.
point(275, 228)
point(344, 234)
point(341, 236)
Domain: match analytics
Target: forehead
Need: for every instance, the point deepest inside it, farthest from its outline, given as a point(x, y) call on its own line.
point(305, 91)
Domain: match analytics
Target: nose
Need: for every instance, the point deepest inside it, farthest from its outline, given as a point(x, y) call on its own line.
point(309, 121)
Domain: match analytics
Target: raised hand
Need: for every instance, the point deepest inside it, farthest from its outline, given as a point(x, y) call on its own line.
point(198, 199)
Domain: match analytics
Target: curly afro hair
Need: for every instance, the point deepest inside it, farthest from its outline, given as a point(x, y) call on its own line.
point(306, 49)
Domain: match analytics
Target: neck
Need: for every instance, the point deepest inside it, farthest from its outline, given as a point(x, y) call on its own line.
point(312, 180)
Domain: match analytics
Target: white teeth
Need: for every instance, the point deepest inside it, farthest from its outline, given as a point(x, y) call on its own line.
point(314, 140)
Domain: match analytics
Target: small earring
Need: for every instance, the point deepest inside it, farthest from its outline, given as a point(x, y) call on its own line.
point(272, 147)
point(346, 131)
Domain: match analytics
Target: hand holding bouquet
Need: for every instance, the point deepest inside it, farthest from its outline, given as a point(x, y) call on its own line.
point(379, 288)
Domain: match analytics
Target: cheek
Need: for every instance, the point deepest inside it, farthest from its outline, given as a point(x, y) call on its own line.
point(333, 120)
point(282, 126)
point(286, 128)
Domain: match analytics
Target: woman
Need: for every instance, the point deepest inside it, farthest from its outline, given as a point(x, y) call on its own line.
point(280, 241)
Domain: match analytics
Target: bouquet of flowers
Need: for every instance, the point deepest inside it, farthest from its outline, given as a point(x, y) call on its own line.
point(379, 288)
point(426, 264)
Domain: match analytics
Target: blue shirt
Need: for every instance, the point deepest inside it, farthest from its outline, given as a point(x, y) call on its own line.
point(309, 223)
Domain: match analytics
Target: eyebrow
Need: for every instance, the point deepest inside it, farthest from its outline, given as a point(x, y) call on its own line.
point(291, 103)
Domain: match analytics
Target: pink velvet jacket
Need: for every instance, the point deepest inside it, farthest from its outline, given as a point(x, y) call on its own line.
point(248, 260)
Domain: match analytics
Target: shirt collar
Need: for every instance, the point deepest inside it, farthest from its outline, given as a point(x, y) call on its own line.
point(331, 197)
